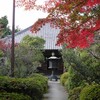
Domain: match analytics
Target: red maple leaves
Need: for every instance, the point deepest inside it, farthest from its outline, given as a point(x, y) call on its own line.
point(77, 20)
point(74, 38)
point(5, 46)
point(2, 45)
point(79, 30)
point(92, 3)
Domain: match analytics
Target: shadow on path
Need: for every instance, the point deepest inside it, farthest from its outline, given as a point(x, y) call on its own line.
point(55, 92)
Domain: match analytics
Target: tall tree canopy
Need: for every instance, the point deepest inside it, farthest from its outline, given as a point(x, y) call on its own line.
point(4, 29)
point(28, 55)
point(77, 19)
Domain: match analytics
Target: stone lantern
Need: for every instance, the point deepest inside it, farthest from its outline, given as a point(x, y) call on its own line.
point(53, 65)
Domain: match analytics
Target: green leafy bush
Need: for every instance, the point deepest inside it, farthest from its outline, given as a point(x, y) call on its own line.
point(42, 79)
point(74, 79)
point(64, 78)
point(91, 92)
point(75, 93)
point(13, 96)
point(28, 56)
point(29, 86)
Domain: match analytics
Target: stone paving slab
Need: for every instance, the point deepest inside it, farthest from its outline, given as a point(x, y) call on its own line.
point(55, 92)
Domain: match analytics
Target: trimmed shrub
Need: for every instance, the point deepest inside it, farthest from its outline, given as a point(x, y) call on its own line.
point(64, 78)
point(29, 86)
point(91, 92)
point(75, 93)
point(13, 96)
point(42, 79)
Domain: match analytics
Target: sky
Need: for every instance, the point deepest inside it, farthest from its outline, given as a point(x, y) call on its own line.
point(23, 19)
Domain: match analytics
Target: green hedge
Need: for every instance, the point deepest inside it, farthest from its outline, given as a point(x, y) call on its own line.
point(28, 86)
point(42, 80)
point(91, 92)
point(75, 93)
point(64, 78)
point(13, 96)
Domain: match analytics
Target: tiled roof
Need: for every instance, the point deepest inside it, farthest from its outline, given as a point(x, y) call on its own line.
point(48, 33)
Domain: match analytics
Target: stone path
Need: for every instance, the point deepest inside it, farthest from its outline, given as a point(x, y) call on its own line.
point(55, 92)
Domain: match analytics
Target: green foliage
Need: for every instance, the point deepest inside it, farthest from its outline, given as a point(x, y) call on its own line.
point(4, 63)
point(26, 61)
point(91, 92)
point(4, 21)
point(1, 53)
point(27, 57)
point(17, 29)
point(42, 79)
point(84, 68)
point(13, 96)
point(75, 93)
point(84, 62)
point(64, 78)
point(28, 86)
point(91, 65)
point(5, 30)
point(35, 42)
point(74, 79)
point(3, 69)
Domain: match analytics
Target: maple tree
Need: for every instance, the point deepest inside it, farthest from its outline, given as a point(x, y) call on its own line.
point(2, 45)
point(77, 19)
